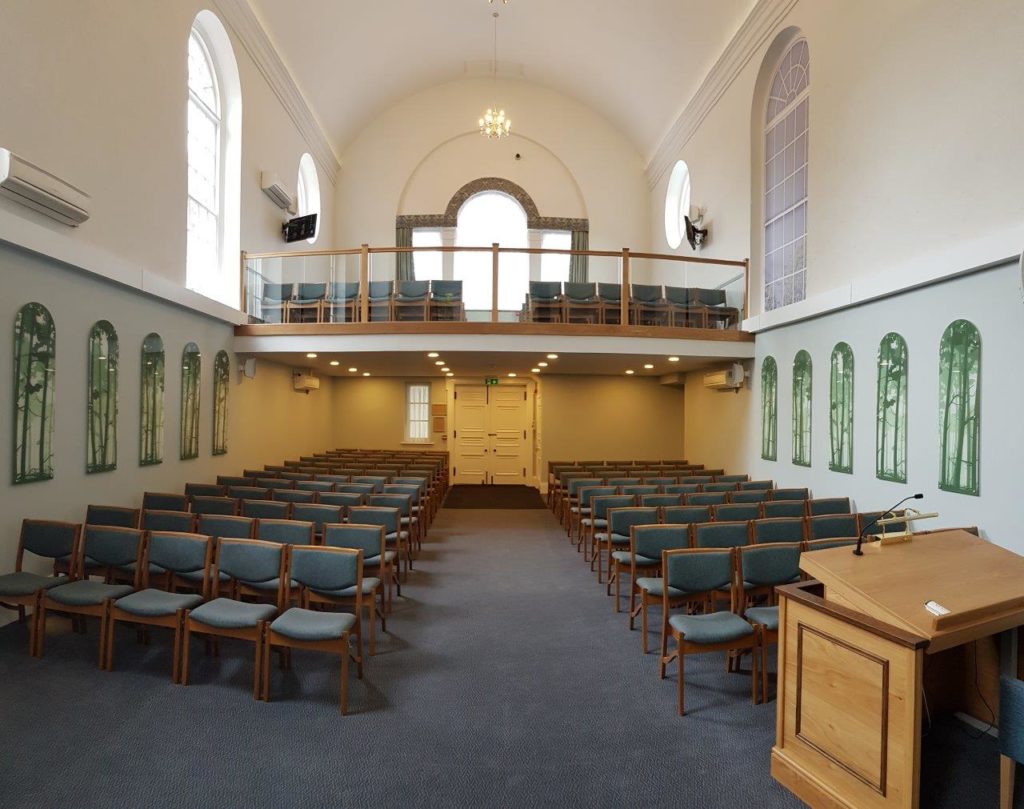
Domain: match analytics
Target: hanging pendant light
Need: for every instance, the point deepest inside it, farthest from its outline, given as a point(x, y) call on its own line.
point(494, 124)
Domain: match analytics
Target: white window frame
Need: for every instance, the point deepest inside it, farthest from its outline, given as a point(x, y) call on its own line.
point(308, 192)
point(417, 413)
point(677, 204)
point(216, 118)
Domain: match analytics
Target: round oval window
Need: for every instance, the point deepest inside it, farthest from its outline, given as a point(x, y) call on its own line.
point(677, 203)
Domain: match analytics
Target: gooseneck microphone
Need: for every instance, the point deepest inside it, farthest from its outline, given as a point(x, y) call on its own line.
point(860, 540)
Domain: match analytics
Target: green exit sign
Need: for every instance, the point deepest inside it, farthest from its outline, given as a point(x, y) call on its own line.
point(491, 380)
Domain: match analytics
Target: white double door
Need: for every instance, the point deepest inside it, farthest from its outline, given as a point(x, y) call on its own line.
point(490, 434)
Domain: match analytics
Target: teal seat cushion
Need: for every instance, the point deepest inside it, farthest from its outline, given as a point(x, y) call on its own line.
point(87, 593)
point(598, 523)
point(625, 557)
point(374, 561)
point(24, 583)
point(197, 576)
point(269, 584)
point(369, 585)
point(303, 624)
point(749, 585)
point(656, 587)
point(715, 627)
point(617, 539)
point(152, 603)
point(226, 613)
point(768, 617)
point(154, 570)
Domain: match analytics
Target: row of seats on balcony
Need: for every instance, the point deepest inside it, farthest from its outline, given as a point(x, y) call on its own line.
point(546, 302)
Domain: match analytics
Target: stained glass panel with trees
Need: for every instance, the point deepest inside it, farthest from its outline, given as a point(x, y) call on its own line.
point(35, 342)
point(190, 368)
point(221, 377)
point(891, 409)
point(802, 409)
point(769, 409)
point(101, 409)
point(959, 373)
point(840, 426)
point(151, 423)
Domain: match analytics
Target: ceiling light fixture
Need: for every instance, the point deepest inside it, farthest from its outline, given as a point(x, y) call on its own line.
point(445, 370)
point(648, 366)
point(311, 355)
point(449, 374)
point(335, 362)
point(439, 362)
point(535, 370)
point(512, 374)
point(352, 370)
point(433, 355)
point(366, 373)
point(552, 356)
point(542, 364)
point(673, 359)
point(494, 124)
point(629, 372)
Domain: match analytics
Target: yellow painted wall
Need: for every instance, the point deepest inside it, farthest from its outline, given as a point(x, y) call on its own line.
point(718, 432)
point(370, 413)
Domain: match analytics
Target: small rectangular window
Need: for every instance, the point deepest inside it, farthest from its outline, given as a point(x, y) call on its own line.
point(417, 419)
point(426, 266)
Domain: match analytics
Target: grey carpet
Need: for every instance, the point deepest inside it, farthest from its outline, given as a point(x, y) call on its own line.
point(494, 497)
point(507, 681)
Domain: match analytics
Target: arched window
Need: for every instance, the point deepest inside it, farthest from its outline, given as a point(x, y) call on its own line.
point(959, 434)
point(802, 409)
point(214, 162)
point(190, 364)
point(891, 410)
point(221, 377)
point(769, 409)
point(840, 423)
point(785, 179)
point(487, 217)
point(308, 192)
point(35, 357)
point(677, 204)
point(151, 423)
point(102, 405)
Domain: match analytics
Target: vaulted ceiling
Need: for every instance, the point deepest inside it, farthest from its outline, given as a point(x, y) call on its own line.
point(637, 62)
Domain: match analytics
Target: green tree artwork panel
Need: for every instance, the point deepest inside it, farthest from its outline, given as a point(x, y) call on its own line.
point(959, 428)
point(221, 377)
point(802, 409)
point(101, 408)
point(35, 344)
point(151, 422)
point(891, 409)
point(190, 367)
point(840, 404)
point(769, 408)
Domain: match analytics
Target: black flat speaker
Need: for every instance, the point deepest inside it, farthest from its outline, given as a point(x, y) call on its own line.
point(299, 228)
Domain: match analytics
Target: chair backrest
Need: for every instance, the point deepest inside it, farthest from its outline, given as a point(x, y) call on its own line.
point(777, 529)
point(721, 487)
point(411, 490)
point(828, 505)
point(265, 509)
point(275, 483)
point(587, 493)
point(287, 532)
point(332, 479)
point(112, 515)
point(48, 539)
point(710, 297)
point(277, 292)
point(677, 295)
point(720, 534)
point(608, 292)
point(832, 526)
point(579, 291)
point(706, 499)
point(752, 496)
point(344, 499)
point(600, 505)
point(732, 479)
point(380, 290)
point(791, 494)
point(659, 480)
point(784, 508)
point(179, 553)
point(370, 539)
point(205, 490)
point(620, 520)
point(315, 485)
point(756, 485)
point(293, 496)
point(701, 479)
point(291, 476)
point(1011, 718)
point(376, 515)
point(158, 520)
point(736, 511)
point(649, 541)
point(402, 502)
point(575, 484)
point(641, 489)
point(249, 492)
point(311, 292)
point(343, 290)
point(698, 570)
point(413, 289)
point(661, 500)
point(326, 569)
point(623, 481)
point(423, 481)
point(376, 481)
point(235, 480)
point(250, 561)
point(446, 290)
point(214, 505)
point(769, 565)
point(545, 290)
point(682, 488)
point(683, 515)
point(320, 514)
point(109, 546)
point(222, 525)
point(646, 293)
point(164, 501)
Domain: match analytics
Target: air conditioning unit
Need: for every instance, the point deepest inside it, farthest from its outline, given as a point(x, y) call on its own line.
point(305, 382)
point(41, 191)
point(730, 379)
point(273, 188)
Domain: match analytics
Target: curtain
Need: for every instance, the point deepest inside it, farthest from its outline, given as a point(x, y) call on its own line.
point(578, 264)
point(403, 261)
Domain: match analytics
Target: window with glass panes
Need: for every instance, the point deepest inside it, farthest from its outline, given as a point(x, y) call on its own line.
point(417, 422)
point(204, 158)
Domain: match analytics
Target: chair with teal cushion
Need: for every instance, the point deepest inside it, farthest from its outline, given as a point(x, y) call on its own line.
point(314, 485)
point(791, 494)
point(733, 479)
point(701, 479)
point(164, 501)
point(610, 297)
point(736, 511)
point(751, 496)
point(201, 504)
point(46, 539)
point(766, 531)
point(320, 514)
point(396, 538)
point(406, 518)
point(117, 516)
point(756, 485)
point(716, 312)
point(826, 544)
point(344, 499)
point(319, 570)
point(707, 499)
point(185, 560)
point(683, 311)
point(239, 564)
point(379, 295)
point(623, 481)
point(375, 481)
point(682, 488)
point(102, 551)
point(369, 539)
point(204, 490)
point(570, 501)
point(660, 480)
point(265, 509)
point(760, 569)
point(721, 487)
point(646, 585)
point(828, 505)
point(287, 532)
point(334, 480)
point(833, 526)
point(647, 306)
point(616, 535)
point(783, 508)
point(341, 301)
point(599, 507)
point(640, 489)
point(661, 500)
point(1011, 736)
point(419, 516)
point(307, 305)
point(586, 495)
point(155, 520)
point(446, 301)
point(274, 302)
point(544, 302)
point(225, 525)
point(411, 300)
point(249, 492)
point(581, 302)
point(684, 515)
point(721, 534)
point(698, 574)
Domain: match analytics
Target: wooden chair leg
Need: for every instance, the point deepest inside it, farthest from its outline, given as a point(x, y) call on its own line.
point(265, 666)
point(40, 629)
point(679, 684)
point(371, 634)
point(343, 696)
point(257, 670)
point(755, 655)
point(643, 625)
point(663, 647)
point(186, 642)
point(764, 667)
point(1007, 772)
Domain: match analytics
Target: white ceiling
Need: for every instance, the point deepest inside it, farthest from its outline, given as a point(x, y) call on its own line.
point(637, 62)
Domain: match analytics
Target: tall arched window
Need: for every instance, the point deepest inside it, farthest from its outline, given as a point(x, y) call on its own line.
point(840, 404)
point(959, 434)
point(308, 192)
point(891, 409)
point(214, 162)
point(802, 409)
point(769, 408)
point(484, 218)
point(785, 179)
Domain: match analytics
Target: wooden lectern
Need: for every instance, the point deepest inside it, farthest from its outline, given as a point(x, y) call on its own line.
point(852, 646)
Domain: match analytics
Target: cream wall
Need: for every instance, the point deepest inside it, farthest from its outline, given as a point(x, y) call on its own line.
point(914, 147)
point(96, 93)
point(370, 413)
point(267, 420)
point(718, 432)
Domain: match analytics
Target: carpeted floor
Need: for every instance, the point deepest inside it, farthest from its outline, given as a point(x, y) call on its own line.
point(496, 497)
point(507, 681)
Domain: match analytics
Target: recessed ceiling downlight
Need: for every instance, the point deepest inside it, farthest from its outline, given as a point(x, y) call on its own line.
point(311, 355)
point(433, 355)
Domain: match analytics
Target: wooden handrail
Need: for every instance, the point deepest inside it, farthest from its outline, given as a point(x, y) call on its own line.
point(488, 248)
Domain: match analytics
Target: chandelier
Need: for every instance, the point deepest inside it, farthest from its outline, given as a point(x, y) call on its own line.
point(494, 124)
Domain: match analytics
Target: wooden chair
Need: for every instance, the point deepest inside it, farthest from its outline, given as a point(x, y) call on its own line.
point(411, 301)
point(165, 502)
point(765, 531)
point(616, 537)
point(307, 305)
point(716, 313)
point(396, 539)
point(646, 542)
point(647, 307)
point(1011, 736)
point(544, 302)
point(274, 303)
point(340, 303)
point(610, 298)
point(370, 540)
point(683, 310)
point(319, 514)
point(446, 301)
point(379, 295)
point(580, 302)
point(158, 520)
point(265, 509)
point(214, 505)
point(117, 516)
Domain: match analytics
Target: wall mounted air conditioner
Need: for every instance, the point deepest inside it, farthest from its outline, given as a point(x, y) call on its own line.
point(41, 191)
point(305, 382)
point(729, 379)
point(273, 188)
